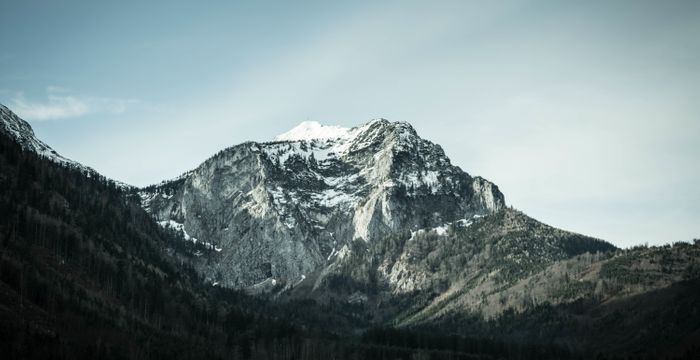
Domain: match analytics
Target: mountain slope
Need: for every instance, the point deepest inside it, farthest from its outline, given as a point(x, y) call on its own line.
point(22, 133)
point(415, 277)
point(86, 273)
point(636, 302)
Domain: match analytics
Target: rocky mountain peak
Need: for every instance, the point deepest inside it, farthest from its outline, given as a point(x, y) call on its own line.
point(355, 138)
point(286, 208)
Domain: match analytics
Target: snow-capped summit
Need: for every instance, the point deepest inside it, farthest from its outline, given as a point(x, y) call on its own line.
point(285, 208)
point(310, 130)
point(313, 130)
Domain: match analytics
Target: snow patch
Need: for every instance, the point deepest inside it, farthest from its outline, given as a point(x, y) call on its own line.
point(301, 280)
point(442, 229)
point(171, 224)
point(309, 130)
point(333, 253)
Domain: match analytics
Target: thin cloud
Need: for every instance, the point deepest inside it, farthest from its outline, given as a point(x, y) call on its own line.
point(62, 104)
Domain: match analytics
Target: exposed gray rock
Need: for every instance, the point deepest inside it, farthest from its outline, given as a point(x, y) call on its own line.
point(287, 208)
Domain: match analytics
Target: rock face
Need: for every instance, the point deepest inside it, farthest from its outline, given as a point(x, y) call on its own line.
point(275, 212)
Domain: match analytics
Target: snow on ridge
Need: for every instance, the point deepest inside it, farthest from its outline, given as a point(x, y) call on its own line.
point(21, 131)
point(311, 130)
point(323, 141)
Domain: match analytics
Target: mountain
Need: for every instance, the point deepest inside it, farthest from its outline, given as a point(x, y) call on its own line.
point(83, 271)
point(86, 273)
point(280, 210)
point(376, 224)
point(348, 243)
point(371, 211)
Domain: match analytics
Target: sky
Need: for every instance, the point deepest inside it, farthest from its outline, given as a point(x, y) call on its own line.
point(585, 113)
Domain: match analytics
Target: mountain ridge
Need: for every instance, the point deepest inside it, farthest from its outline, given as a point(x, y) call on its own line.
point(20, 130)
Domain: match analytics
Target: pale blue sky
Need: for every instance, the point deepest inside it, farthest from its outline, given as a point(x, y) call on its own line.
point(585, 113)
